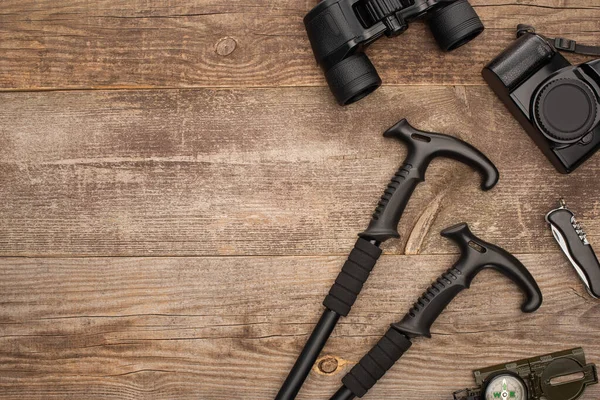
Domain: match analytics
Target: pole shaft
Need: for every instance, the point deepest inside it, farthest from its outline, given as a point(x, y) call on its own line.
point(290, 388)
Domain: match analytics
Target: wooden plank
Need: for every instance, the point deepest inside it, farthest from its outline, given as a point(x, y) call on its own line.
point(231, 327)
point(251, 172)
point(108, 44)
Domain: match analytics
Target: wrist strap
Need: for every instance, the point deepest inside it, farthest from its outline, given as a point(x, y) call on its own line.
point(563, 44)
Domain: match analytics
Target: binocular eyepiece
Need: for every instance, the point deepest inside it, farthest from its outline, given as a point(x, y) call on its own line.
point(340, 30)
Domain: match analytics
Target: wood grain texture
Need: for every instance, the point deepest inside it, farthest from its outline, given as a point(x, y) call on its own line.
point(198, 43)
point(260, 172)
point(173, 237)
point(230, 327)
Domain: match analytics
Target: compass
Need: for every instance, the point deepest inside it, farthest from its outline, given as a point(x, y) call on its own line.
point(562, 375)
point(506, 387)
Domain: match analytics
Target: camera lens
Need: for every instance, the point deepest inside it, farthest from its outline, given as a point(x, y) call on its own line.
point(455, 25)
point(565, 110)
point(352, 79)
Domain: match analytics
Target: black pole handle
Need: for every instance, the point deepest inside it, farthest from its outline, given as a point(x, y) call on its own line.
point(389, 210)
point(364, 375)
point(423, 147)
point(352, 277)
point(475, 256)
point(338, 302)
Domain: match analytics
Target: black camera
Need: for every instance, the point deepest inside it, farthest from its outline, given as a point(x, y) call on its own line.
point(556, 102)
point(340, 30)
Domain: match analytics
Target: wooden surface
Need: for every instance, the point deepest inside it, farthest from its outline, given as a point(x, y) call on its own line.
point(178, 190)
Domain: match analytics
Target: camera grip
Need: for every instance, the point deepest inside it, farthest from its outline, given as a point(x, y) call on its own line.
point(520, 60)
point(364, 375)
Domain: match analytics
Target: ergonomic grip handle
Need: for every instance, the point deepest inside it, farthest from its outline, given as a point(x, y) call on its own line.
point(389, 210)
point(430, 305)
point(475, 256)
point(423, 147)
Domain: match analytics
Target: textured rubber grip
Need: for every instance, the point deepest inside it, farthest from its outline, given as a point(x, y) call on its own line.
point(351, 279)
point(520, 60)
point(455, 25)
point(352, 78)
point(389, 210)
point(364, 375)
point(433, 301)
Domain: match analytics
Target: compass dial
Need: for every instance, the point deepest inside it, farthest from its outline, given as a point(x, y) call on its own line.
point(506, 387)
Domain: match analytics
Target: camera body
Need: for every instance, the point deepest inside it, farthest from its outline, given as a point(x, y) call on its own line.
point(556, 102)
point(340, 30)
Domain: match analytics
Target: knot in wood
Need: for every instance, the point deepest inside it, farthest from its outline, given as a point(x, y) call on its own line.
point(225, 46)
point(328, 365)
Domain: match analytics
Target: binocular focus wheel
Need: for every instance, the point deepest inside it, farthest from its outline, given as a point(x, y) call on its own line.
point(352, 79)
point(455, 25)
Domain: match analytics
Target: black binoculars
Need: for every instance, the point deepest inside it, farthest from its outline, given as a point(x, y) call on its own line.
point(340, 30)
